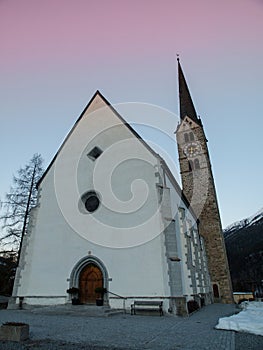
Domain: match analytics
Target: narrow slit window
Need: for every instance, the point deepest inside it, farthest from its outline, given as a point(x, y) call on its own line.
point(197, 164)
point(190, 165)
point(94, 153)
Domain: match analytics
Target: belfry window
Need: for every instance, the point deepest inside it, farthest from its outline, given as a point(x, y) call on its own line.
point(196, 163)
point(186, 138)
point(192, 138)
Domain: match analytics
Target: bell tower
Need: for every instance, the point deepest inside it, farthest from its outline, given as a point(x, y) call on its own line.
point(199, 188)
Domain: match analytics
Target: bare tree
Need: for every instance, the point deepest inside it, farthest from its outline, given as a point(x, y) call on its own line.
point(16, 207)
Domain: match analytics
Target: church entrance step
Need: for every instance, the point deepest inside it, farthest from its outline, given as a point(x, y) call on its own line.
point(84, 310)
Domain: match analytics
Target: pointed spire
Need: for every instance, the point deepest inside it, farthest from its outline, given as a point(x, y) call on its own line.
point(185, 100)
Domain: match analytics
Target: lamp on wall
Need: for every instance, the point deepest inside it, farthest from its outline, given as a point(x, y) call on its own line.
point(174, 258)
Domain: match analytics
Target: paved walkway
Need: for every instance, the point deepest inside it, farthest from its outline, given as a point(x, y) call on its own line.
point(79, 331)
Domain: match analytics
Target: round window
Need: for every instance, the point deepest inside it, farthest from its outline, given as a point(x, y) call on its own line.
point(91, 201)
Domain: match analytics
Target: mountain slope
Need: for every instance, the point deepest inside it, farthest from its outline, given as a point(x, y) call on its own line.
point(244, 246)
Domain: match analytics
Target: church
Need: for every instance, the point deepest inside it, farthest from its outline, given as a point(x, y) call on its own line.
point(113, 226)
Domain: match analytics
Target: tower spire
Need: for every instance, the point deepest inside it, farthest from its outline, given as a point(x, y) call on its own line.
point(185, 100)
point(199, 188)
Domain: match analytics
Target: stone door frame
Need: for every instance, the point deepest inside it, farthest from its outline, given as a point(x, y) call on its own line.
point(82, 263)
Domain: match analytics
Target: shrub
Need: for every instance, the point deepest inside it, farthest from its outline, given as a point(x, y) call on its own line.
point(73, 290)
point(100, 290)
point(192, 305)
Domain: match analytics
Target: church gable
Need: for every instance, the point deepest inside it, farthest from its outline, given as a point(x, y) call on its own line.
point(187, 124)
point(105, 169)
point(188, 131)
point(100, 114)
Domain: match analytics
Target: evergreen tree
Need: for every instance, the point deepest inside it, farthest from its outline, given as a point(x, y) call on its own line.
point(7, 275)
point(16, 207)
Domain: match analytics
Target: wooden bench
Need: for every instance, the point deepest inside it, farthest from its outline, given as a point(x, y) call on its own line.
point(147, 305)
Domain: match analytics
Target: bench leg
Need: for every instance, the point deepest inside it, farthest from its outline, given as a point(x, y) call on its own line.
point(132, 310)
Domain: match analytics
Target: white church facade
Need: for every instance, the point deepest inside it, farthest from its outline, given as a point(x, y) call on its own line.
point(110, 214)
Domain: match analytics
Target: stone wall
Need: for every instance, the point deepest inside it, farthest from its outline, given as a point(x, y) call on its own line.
point(199, 188)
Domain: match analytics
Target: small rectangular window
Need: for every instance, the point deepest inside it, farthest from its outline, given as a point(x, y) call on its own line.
point(94, 153)
point(182, 212)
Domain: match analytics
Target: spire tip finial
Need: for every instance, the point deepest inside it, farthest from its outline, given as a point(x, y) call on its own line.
point(178, 58)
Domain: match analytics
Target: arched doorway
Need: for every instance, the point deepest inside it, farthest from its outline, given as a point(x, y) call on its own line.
point(90, 278)
point(216, 291)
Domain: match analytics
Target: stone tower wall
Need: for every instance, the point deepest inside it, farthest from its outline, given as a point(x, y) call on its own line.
point(199, 188)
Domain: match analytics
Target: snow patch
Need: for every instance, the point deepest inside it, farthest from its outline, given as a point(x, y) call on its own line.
point(249, 320)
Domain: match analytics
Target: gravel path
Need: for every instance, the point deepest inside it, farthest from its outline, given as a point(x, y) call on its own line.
point(62, 331)
point(245, 341)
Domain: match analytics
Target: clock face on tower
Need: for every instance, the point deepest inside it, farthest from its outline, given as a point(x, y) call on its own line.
point(192, 149)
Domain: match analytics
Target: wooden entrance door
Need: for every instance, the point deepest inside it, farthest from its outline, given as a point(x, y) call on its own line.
point(90, 278)
point(216, 290)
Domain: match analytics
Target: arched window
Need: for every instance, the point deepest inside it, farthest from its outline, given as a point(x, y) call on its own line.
point(196, 163)
point(216, 290)
point(186, 138)
point(191, 165)
point(192, 138)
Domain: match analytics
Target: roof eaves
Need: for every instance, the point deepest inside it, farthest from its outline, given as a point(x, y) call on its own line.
point(78, 120)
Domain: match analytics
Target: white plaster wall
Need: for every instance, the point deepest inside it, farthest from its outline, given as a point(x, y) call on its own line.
point(63, 235)
point(188, 224)
point(177, 203)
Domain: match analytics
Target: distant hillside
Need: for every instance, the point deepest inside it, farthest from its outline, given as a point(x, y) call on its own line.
point(244, 245)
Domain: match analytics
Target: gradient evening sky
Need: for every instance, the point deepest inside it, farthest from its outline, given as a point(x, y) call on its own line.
point(56, 53)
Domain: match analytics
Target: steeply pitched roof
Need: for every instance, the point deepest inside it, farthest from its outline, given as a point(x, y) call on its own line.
point(165, 166)
point(107, 103)
point(185, 101)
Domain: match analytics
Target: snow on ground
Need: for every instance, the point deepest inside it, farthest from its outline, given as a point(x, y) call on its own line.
point(249, 320)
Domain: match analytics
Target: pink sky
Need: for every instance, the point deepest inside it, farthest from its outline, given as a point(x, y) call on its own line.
point(56, 53)
point(54, 32)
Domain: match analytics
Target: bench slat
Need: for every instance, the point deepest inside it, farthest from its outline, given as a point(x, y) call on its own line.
point(147, 305)
point(148, 302)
